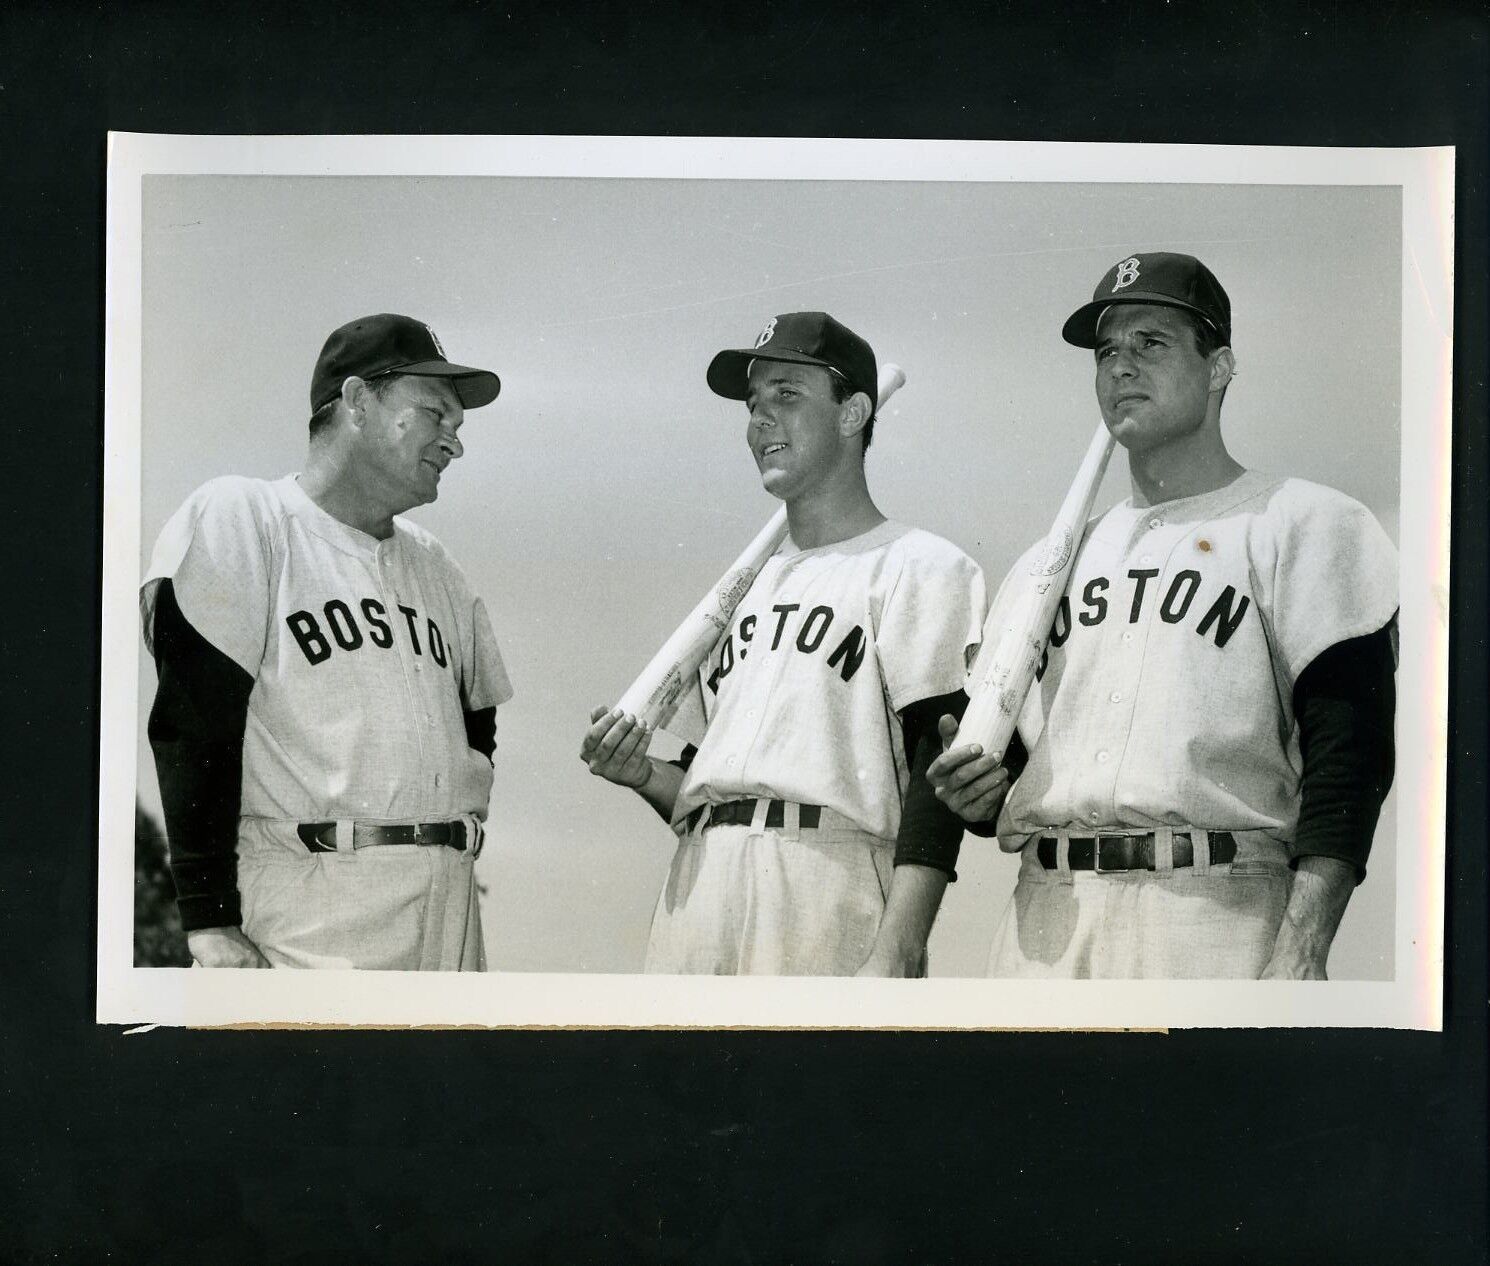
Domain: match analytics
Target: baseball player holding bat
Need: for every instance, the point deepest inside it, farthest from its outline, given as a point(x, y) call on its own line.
point(325, 716)
point(1200, 766)
point(810, 842)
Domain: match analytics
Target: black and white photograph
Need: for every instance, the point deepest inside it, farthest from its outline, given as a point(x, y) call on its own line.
point(626, 582)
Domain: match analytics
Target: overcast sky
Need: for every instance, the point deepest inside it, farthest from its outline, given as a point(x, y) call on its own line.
point(607, 487)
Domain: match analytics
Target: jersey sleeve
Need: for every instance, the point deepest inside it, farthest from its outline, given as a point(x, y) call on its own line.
point(930, 622)
point(487, 684)
point(215, 552)
point(1334, 575)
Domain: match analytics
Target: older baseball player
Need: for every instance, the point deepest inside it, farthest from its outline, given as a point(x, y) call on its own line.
point(1200, 767)
point(809, 840)
point(328, 684)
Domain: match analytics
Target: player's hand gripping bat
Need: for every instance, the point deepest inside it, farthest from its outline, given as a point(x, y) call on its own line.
point(1006, 662)
point(653, 697)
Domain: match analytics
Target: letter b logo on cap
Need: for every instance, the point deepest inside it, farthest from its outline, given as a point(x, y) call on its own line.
point(765, 335)
point(1127, 274)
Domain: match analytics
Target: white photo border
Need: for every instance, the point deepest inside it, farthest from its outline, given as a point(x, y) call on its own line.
point(1413, 999)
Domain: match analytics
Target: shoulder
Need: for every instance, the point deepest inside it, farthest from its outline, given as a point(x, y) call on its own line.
point(919, 550)
point(1291, 507)
point(228, 503)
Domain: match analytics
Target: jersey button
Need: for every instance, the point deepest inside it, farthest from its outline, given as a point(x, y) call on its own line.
point(730, 761)
point(1153, 523)
point(1127, 636)
point(437, 780)
point(1146, 559)
point(1103, 757)
point(418, 667)
point(1116, 696)
point(1094, 816)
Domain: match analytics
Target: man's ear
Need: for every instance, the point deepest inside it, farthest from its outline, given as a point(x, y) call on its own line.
point(855, 414)
point(353, 395)
point(1223, 369)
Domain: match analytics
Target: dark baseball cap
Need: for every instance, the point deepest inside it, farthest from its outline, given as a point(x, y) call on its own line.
point(1158, 277)
point(799, 338)
point(388, 343)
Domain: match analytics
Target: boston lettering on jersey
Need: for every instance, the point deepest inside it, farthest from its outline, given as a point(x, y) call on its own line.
point(810, 634)
point(337, 620)
point(1217, 617)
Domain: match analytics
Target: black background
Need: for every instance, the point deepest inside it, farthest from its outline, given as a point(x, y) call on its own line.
point(733, 1147)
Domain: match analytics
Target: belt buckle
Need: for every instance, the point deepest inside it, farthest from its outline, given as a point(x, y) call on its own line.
point(1097, 868)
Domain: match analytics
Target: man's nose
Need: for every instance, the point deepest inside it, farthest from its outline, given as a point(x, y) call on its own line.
point(760, 415)
point(450, 442)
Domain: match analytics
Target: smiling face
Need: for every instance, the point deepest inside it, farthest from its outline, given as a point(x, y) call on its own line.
point(796, 430)
point(408, 438)
point(1153, 385)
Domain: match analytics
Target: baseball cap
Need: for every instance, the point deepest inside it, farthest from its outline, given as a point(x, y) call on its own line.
point(389, 343)
point(801, 338)
point(1159, 277)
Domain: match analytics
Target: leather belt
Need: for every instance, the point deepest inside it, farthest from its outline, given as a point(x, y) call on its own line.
point(1130, 852)
point(742, 813)
point(320, 837)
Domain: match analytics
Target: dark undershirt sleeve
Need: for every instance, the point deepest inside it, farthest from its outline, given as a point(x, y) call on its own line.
point(684, 758)
point(930, 833)
point(1345, 702)
point(481, 731)
point(196, 732)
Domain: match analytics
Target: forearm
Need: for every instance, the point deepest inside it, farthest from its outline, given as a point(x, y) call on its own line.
point(910, 910)
point(1321, 891)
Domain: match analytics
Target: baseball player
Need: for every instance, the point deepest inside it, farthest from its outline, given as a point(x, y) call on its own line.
point(1201, 764)
point(809, 840)
point(326, 711)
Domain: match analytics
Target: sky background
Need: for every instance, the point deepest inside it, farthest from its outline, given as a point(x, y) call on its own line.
point(607, 487)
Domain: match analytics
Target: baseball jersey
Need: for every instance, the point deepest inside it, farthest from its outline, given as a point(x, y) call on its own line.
point(1166, 694)
point(365, 654)
point(827, 646)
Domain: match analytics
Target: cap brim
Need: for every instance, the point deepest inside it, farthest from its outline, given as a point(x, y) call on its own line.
point(1080, 329)
point(729, 372)
point(475, 387)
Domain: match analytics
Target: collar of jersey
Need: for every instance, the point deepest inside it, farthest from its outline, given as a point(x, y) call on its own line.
point(327, 526)
point(879, 535)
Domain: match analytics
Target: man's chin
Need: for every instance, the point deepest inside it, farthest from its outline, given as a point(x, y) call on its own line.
point(777, 482)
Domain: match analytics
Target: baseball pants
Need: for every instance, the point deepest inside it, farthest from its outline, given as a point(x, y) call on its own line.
point(393, 907)
point(1205, 923)
point(753, 900)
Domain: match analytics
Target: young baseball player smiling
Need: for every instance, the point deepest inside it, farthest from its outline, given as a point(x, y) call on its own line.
point(809, 840)
point(326, 711)
point(1202, 762)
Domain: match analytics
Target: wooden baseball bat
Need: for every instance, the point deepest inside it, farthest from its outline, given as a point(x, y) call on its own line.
point(1006, 662)
point(653, 696)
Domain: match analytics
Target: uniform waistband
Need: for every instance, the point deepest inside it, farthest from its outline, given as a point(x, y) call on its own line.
point(459, 834)
point(770, 815)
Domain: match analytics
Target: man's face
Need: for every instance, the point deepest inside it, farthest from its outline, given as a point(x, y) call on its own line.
point(793, 430)
point(409, 437)
point(1152, 384)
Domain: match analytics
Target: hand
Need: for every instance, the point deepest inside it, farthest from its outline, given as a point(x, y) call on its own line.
point(902, 965)
point(615, 748)
point(969, 783)
point(224, 947)
point(1295, 966)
